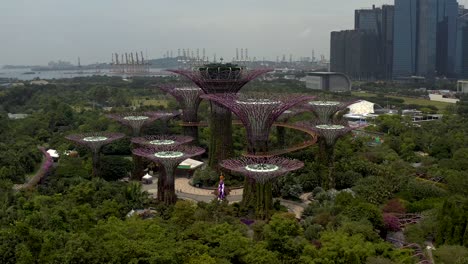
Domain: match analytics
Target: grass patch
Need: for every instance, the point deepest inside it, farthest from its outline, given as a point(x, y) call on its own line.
point(149, 102)
point(407, 100)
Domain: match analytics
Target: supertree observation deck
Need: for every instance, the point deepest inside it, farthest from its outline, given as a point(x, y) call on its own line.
point(135, 120)
point(189, 100)
point(325, 110)
point(257, 113)
point(329, 133)
point(262, 171)
point(168, 157)
point(94, 142)
point(219, 78)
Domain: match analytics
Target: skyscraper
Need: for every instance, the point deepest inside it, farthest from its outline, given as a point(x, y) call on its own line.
point(447, 13)
point(405, 38)
point(426, 41)
point(425, 37)
point(461, 51)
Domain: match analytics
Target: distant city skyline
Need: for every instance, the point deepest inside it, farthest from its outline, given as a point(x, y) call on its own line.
point(36, 32)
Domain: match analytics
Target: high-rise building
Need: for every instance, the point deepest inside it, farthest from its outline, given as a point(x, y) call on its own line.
point(354, 52)
point(425, 37)
point(405, 38)
point(365, 52)
point(447, 14)
point(461, 51)
point(426, 40)
point(388, 12)
point(368, 19)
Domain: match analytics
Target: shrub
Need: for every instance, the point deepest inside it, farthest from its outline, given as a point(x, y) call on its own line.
point(391, 222)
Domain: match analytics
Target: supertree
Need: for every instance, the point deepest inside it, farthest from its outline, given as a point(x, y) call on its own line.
point(135, 120)
point(263, 171)
point(284, 118)
point(189, 100)
point(150, 141)
point(95, 141)
point(215, 79)
point(161, 140)
point(329, 134)
point(168, 157)
point(257, 113)
point(165, 116)
point(325, 110)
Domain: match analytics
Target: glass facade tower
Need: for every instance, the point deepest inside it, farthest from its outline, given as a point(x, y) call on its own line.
point(405, 38)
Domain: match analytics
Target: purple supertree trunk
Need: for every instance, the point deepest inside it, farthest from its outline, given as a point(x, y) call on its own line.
point(258, 112)
point(325, 110)
point(168, 157)
point(329, 134)
point(95, 141)
point(135, 120)
point(215, 79)
point(263, 171)
point(189, 100)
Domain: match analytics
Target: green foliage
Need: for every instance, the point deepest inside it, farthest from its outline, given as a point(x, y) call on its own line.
point(114, 167)
point(451, 255)
point(453, 222)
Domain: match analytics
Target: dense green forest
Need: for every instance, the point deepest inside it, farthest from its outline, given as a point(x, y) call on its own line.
point(71, 217)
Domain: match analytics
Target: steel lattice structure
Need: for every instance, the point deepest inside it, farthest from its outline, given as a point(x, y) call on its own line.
point(161, 140)
point(258, 112)
point(329, 133)
point(189, 100)
point(95, 141)
point(263, 171)
point(135, 120)
point(220, 78)
point(152, 141)
point(168, 157)
point(325, 110)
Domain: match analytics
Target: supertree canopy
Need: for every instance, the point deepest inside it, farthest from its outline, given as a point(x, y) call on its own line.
point(135, 120)
point(161, 140)
point(189, 100)
point(152, 141)
point(95, 141)
point(263, 171)
point(168, 157)
point(325, 110)
point(257, 112)
point(329, 133)
point(220, 78)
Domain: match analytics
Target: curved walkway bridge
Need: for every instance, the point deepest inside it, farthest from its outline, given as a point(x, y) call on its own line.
point(313, 138)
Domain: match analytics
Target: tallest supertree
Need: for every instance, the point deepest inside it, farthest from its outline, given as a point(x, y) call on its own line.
point(218, 78)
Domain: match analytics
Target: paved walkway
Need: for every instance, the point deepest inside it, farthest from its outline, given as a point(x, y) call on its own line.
point(187, 192)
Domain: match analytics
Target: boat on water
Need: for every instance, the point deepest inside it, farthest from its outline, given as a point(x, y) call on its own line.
point(29, 72)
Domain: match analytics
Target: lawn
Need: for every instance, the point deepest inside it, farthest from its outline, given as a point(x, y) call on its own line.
point(149, 102)
point(408, 100)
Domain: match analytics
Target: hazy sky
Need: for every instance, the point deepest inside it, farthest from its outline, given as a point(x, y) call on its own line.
point(37, 31)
